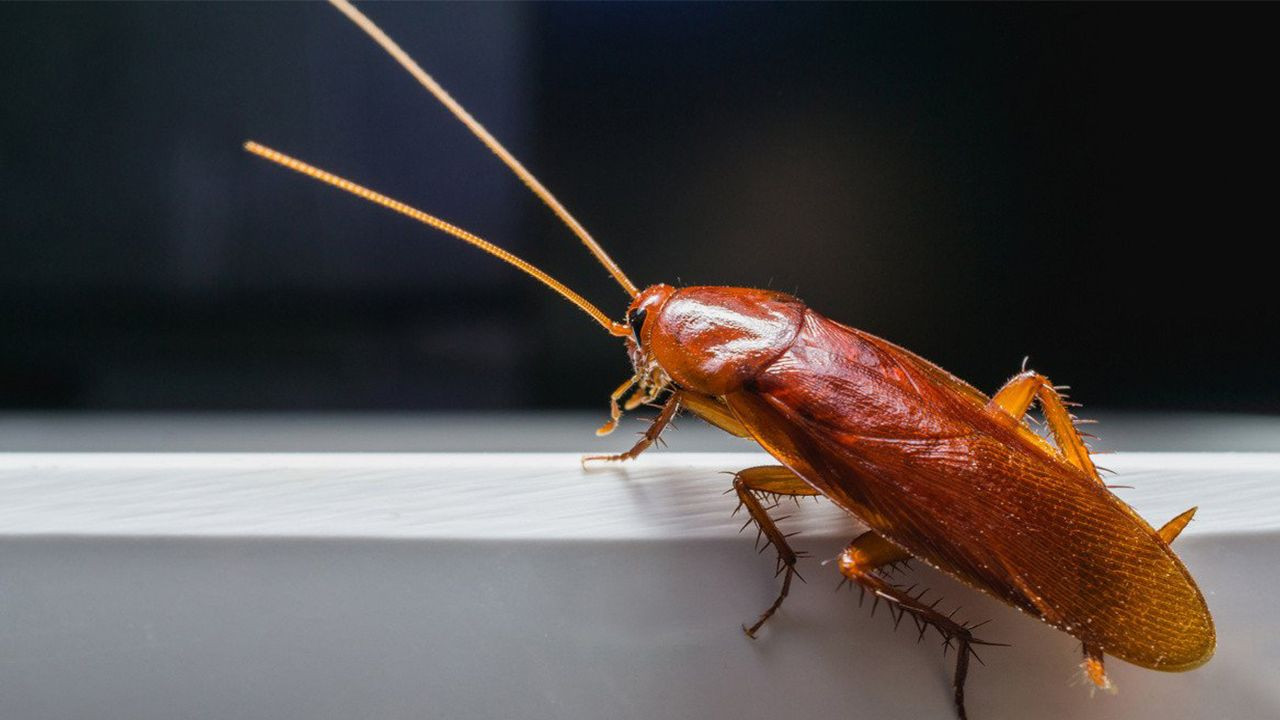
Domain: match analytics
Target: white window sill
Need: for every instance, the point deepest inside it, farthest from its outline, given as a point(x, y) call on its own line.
point(519, 586)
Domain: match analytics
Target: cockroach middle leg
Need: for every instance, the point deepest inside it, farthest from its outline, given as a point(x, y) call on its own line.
point(650, 436)
point(774, 480)
point(1015, 399)
point(858, 563)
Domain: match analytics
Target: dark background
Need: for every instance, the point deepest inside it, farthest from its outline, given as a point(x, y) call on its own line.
point(1090, 185)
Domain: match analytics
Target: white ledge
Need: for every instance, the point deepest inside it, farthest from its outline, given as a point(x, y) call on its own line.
point(549, 496)
point(317, 586)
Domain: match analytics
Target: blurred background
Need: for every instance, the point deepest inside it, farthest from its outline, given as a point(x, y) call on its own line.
point(1090, 185)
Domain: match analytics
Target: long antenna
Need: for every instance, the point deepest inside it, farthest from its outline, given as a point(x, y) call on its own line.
point(296, 165)
point(490, 141)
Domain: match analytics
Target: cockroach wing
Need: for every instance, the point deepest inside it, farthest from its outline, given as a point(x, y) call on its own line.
point(915, 454)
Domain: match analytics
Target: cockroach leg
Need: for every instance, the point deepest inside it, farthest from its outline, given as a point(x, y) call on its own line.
point(1094, 668)
point(615, 412)
point(858, 563)
point(638, 397)
point(1015, 399)
point(1016, 396)
point(714, 412)
point(775, 480)
point(870, 552)
point(649, 437)
point(706, 407)
point(1172, 529)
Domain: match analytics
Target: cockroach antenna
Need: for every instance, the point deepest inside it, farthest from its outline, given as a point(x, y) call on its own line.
point(408, 63)
point(428, 82)
point(372, 196)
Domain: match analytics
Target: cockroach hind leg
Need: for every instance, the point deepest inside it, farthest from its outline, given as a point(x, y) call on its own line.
point(858, 563)
point(776, 481)
point(1095, 671)
point(1014, 400)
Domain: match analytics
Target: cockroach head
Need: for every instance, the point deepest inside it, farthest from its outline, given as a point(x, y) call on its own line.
point(649, 379)
point(650, 300)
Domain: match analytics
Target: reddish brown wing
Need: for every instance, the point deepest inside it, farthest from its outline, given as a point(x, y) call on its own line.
point(913, 452)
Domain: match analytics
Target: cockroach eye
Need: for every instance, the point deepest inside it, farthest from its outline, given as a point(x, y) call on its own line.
point(635, 319)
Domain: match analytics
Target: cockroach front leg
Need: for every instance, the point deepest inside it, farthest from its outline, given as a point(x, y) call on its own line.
point(778, 481)
point(650, 436)
point(858, 563)
point(706, 407)
point(615, 410)
point(1015, 399)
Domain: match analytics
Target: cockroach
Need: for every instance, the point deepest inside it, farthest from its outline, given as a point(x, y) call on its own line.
point(936, 470)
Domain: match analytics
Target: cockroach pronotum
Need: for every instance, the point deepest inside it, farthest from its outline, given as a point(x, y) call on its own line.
point(936, 470)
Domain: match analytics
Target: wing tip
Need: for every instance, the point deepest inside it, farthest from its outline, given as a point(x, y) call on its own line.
point(1190, 654)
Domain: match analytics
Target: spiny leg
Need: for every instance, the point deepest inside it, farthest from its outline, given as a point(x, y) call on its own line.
point(775, 480)
point(1015, 399)
point(650, 436)
point(871, 551)
point(858, 563)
